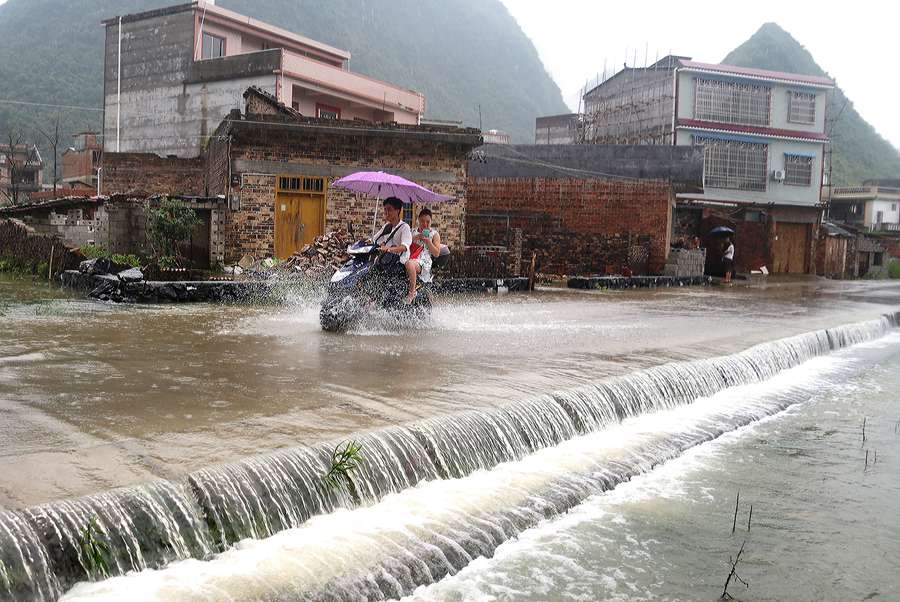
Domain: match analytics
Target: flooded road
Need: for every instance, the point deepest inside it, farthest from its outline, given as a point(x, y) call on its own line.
point(94, 396)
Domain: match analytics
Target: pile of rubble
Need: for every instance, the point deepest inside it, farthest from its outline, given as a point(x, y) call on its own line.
point(321, 258)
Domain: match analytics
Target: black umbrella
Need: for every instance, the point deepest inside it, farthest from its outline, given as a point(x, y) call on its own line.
point(721, 231)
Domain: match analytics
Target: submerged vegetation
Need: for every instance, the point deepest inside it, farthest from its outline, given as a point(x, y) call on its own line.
point(94, 550)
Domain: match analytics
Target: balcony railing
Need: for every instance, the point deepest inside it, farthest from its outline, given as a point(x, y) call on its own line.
point(884, 228)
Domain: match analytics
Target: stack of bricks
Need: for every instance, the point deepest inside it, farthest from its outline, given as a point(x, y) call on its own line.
point(685, 262)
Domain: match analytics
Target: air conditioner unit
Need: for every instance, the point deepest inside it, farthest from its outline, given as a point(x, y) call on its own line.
point(778, 175)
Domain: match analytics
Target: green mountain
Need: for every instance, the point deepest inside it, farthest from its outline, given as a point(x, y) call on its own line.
point(859, 152)
point(460, 54)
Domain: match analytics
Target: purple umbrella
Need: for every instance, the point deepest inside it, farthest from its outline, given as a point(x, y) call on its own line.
point(383, 185)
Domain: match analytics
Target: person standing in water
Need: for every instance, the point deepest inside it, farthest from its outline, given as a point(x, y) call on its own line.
point(728, 260)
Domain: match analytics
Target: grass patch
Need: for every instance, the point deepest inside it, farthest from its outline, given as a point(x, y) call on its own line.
point(9, 265)
point(92, 251)
point(894, 268)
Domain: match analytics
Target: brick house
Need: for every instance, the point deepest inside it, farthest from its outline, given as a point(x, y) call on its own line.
point(276, 168)
point(81, 162)
point(580, 209)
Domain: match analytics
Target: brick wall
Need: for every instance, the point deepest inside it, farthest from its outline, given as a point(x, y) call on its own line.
point(438, 165)
point(146, 174)
point(251, 230)
point(574, 226)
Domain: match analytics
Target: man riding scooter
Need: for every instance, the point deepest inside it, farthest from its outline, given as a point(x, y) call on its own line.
point(396, 237)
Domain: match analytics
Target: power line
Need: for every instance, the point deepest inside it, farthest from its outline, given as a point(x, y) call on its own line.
point(52, 106)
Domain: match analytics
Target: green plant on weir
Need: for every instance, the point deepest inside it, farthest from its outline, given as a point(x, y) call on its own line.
point(344, 459)
point(94, 551)
point(170, 223)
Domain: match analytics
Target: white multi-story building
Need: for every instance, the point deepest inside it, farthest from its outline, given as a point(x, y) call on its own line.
point(763, 134)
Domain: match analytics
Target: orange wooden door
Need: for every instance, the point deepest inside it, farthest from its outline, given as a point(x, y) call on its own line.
point(312, 217)
point(299, 219)
point(287, 225)
point(791, 248)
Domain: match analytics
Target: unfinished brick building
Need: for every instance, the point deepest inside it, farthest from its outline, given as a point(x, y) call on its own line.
point(580, 209)
point(276, 169)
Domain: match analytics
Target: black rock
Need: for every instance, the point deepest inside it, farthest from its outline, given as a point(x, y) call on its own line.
point(131, 275)
point(100, 265)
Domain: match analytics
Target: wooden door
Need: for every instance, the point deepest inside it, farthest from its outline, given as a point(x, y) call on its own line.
point(791, 248)
point(287, 225)
point(299, 213)
point(312, 217)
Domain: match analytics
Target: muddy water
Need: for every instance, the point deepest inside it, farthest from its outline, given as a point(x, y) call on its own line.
point(95, 396)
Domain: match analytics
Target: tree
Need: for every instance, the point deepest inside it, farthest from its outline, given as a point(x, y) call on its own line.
point(52, 138)
point(169, 224)
point(13, 169)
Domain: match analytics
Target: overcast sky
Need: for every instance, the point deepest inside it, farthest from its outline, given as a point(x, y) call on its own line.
point(856, 42)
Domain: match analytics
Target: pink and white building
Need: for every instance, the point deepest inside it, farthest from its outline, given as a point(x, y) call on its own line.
point(172, 75)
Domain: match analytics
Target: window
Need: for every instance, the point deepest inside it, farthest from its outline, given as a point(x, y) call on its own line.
point(314, 185)
point(327, 112)
point(301, 184)
point(797, 170)
point(407, 213)
point(734, 164)
point(893, 206)
point(213, 47)
point(289, 184)
point(802, 107)
point(731, 102)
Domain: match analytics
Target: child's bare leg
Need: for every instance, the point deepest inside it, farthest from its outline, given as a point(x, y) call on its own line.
point(412, 270)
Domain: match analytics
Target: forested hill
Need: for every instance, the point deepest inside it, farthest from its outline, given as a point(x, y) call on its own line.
point(859, 152)
point(460, 54)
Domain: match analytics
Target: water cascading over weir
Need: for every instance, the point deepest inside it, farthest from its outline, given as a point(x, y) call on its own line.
point(43, 552)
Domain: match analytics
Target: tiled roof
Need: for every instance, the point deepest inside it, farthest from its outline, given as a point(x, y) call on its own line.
point(759, 73)
point(752, 130)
